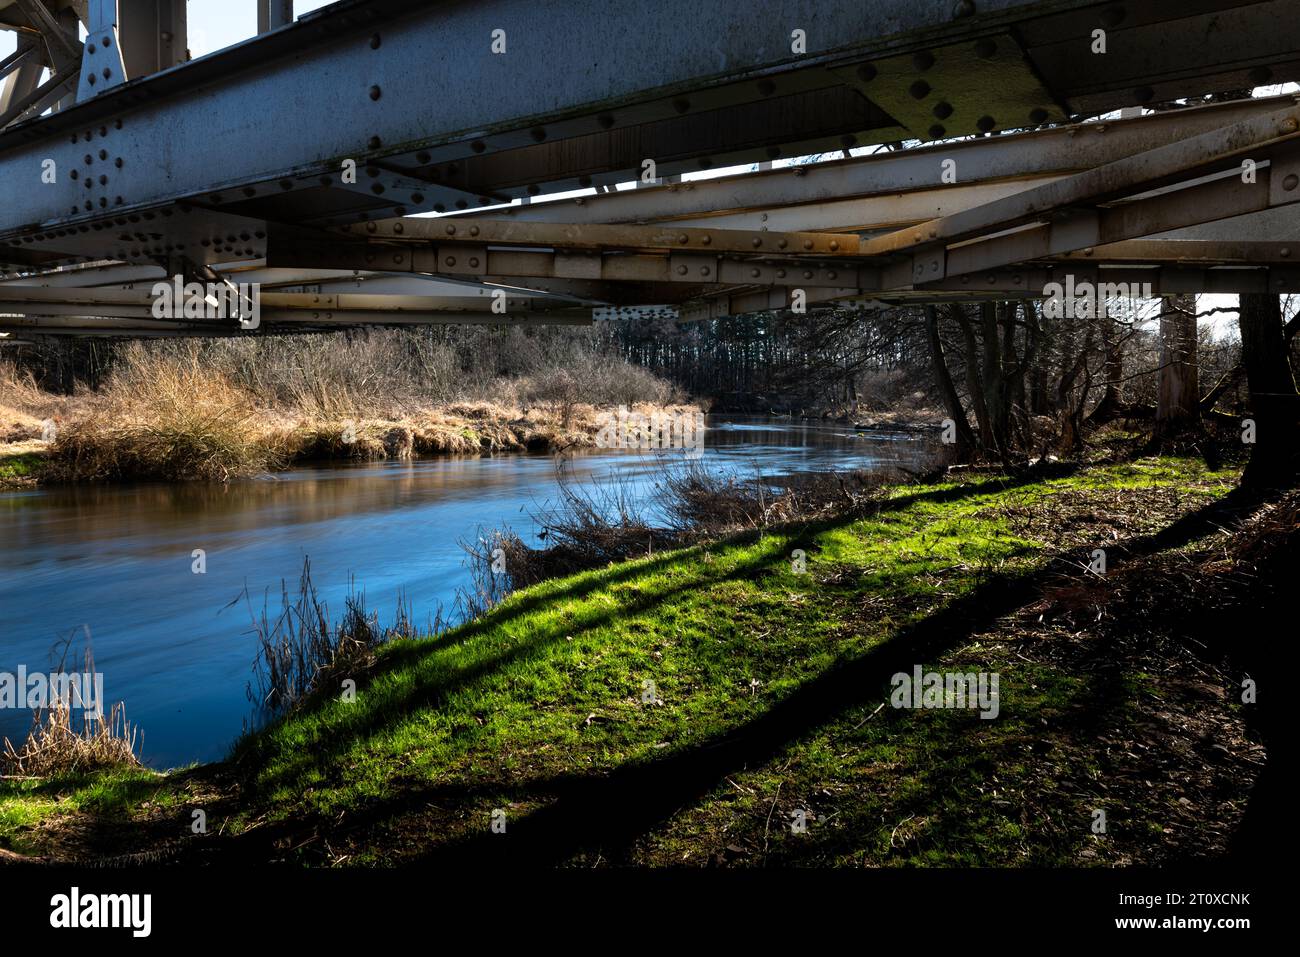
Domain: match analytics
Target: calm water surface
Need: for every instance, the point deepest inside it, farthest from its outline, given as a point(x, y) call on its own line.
point(115, 562)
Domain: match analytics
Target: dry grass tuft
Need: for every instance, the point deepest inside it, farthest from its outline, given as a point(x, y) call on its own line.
point(165, 420)
point(56, 747)
point(189, 411)
point(303, 651)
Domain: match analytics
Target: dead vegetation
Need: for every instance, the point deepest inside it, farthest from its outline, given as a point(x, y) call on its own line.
point(592, 525)
point(60, 744)
point(203, 412)
point(57, 746)
point(302, 650)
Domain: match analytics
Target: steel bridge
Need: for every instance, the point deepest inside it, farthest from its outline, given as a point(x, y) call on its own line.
point(390, 161)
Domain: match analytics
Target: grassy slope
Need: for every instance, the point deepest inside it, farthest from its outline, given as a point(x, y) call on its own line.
point(767, 688)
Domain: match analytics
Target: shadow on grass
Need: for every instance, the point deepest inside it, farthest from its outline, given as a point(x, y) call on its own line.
point(338, 738)
point(610, 812)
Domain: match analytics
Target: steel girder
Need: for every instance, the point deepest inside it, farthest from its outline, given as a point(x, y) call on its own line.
point(352, 81)
point(1020, 203)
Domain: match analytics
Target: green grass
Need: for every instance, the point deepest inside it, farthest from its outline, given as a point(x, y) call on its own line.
point(652, 666)
point(21, 467)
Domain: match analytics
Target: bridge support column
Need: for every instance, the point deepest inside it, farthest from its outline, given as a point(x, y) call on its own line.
point(272, 14)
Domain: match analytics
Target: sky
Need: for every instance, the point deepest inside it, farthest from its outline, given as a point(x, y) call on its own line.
point(213, 24)
point(216, 24)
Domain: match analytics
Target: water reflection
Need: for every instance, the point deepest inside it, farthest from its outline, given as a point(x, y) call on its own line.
point(117, 559)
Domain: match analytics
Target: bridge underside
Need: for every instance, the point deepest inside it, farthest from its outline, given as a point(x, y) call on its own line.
point(994, 177)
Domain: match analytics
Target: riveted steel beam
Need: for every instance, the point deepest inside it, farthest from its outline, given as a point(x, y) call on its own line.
point(594, 236)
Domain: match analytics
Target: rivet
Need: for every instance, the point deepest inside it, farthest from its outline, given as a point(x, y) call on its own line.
point(1289, 183)
point(919, 90)
point(376, 92)
point(923, 60)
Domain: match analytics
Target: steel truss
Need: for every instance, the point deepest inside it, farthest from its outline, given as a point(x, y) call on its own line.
point(235, 167)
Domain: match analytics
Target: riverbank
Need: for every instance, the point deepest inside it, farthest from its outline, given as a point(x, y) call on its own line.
point(98, 444)
point(216, 411)
point(616, 716)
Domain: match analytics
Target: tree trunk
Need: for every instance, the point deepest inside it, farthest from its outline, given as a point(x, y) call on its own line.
point(1178, 405)
point(951, 401)
point(1275, 405)
point(1111, 405)
point(995, 382)
point(974, 384)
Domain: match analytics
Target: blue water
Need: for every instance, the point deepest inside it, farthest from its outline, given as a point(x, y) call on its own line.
point(115, 562)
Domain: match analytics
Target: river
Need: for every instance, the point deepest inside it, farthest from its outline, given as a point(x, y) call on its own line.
point(116, 562)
